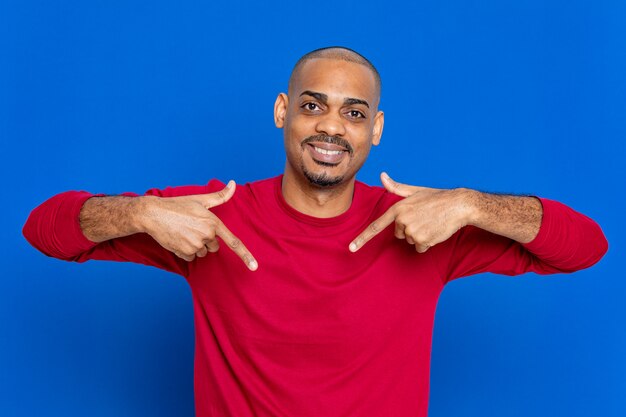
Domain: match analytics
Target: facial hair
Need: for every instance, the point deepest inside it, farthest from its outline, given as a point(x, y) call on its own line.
point(323, 180)
point(335, 140)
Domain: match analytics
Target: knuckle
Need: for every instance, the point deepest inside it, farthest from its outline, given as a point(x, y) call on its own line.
point(234, 243)
point(374, 227)
point(209, 233)
point(402, 221)
point(208, 228)
point(422, 238)
point(185, 256)
point(189, 249)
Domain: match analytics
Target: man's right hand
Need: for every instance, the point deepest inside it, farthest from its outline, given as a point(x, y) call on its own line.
point(186, 226)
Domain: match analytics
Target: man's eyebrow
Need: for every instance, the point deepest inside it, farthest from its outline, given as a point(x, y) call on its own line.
point(324, 98)
point(318, 96)
point(350, 101)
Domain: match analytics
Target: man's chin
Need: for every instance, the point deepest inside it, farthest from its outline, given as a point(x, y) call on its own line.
point(323, 179)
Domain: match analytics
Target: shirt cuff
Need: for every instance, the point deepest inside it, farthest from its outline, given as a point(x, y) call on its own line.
point(78, 237)
point(541, 242)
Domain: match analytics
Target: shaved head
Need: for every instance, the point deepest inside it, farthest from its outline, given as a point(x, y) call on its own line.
point(339, 53)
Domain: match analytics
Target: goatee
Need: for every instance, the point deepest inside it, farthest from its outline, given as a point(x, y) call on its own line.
point(322, 180)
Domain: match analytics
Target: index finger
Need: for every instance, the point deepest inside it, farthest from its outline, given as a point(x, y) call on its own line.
point(236, 246)
point(373, 229)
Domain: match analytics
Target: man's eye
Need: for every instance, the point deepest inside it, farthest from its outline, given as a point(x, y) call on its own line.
point(355, 114)
point(310, 106)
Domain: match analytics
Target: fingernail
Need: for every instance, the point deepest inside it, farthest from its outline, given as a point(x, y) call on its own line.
point(352, 247)
point(253, 265)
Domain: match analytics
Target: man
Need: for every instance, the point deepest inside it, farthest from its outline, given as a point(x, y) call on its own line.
point(323, 303)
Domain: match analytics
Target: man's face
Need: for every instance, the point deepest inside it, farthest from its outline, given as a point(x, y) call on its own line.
point(330, 119)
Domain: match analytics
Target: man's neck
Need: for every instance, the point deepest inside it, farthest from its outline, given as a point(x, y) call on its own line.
point(317, 201)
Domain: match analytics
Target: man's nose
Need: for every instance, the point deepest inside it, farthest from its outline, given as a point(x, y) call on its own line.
point(331, 124)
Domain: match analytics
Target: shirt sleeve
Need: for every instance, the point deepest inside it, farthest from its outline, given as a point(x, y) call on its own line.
point(53, 228)
point(567, 241)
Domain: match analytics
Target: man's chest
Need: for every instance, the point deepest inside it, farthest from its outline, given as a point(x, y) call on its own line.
point(313, 295)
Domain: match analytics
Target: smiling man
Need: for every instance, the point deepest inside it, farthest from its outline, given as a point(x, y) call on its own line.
point(331, 311)
point(330, 119)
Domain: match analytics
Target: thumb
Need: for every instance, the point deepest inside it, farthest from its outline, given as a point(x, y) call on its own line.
point(219, 197)
point(403, 190)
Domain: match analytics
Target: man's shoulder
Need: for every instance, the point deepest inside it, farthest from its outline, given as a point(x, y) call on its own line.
point(374, 195)
point(182, 190)
point(212, 186)
point(360, 186)
point(268, 183)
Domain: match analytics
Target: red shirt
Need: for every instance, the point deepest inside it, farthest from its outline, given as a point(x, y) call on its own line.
point(318, 330)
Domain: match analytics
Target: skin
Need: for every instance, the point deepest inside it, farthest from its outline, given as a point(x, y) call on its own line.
point(428, 216)
point(183, 225)
point(321, 101)
point(327, 98)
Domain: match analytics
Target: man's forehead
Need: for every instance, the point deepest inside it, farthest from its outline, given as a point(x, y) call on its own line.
point(335, 76)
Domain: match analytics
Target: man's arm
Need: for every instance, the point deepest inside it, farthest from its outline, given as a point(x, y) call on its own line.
point(428, 216)
point(515, 217)
point(106, 218)
point(555, 238)
point(183, 225)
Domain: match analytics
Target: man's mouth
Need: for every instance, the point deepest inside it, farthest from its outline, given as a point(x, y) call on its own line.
point(327, 150)
point(326, 154)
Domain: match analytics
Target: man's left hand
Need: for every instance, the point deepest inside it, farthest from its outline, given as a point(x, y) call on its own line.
point(425, 217)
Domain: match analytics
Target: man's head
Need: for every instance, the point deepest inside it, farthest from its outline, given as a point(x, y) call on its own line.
point(330, 116)
point(339, 53)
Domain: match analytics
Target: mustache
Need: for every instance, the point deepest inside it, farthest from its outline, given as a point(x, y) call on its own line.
point(335, 140)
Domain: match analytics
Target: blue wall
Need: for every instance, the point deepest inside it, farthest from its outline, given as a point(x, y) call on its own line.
point(125, 95)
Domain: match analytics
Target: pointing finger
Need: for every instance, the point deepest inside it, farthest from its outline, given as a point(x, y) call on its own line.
point(373, 229)
point(237, 246)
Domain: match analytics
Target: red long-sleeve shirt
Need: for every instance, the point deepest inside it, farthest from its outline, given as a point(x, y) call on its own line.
point(318, 330)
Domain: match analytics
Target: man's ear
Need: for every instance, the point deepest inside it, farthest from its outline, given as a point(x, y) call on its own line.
point(280, 110)
point(377, 131)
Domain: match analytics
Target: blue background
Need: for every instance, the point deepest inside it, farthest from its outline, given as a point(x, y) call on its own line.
point(113, 96)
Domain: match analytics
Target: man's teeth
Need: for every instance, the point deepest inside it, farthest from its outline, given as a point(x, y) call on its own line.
point(326, 152)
